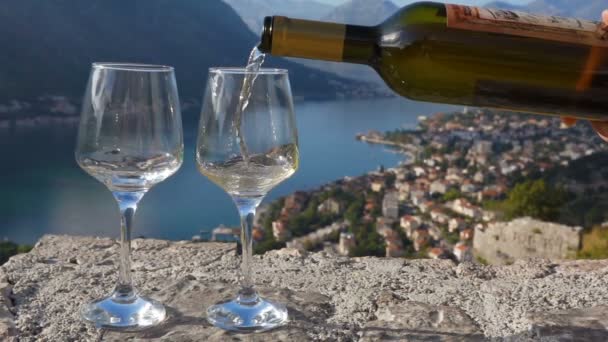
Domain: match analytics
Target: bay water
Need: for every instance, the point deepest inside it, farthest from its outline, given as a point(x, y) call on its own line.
point(43, 191)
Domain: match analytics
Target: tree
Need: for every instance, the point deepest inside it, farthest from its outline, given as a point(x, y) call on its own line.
point(451, 195)
point(354, 212)
point(535, 199)
point(8, 249)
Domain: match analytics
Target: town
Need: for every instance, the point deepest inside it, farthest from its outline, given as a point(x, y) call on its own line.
point(434, 203)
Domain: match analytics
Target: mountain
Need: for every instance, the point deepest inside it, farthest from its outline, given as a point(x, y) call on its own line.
point(48, 46)
point(362, 12)
point(585, 9)
point(505, 5)
point(254, 11)
point(356, 12)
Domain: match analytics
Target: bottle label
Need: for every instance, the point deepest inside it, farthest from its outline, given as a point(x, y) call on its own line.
point(523, 24)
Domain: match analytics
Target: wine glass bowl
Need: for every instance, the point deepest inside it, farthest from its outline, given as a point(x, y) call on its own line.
point(247, 144)
point(130, 138)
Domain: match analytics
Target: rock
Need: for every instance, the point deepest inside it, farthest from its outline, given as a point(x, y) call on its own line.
point(571, 325)
point(8, 330)
point(329, 298)
point(505, 242)
point(400, 320)
point(288, 252)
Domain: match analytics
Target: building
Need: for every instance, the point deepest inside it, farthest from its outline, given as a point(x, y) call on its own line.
point(439, 216)
point(394, 245)
point(390, 205)
point(425, 207)
point(468, 187)
point(225, 234)
point(504, 242)
point(483, 147)
point(257, 234)
point(417, 197)
point(421, 243)
point(317, 237)
point(295, 202)
point(435, 233)
point(382, 226)
point(463, 252)
point(377, 185)
point(280, 231)
point(409, 223)
point(347, 243)
point(330, 206)
point(421, 238)
point(488, 216)
point(419, 171)
point(456, 224)
point(394, 249)
point(438, 187)
point(437, 253)
point(404, 186)
point(463, 207)
point(479, 177)
point(420, 232)
point(369, 206)
point(467, 234)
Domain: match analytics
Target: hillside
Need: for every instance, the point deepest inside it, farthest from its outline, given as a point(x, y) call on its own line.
point(586, 181)
point(356, 12)
point(362, 12)
point(586, 9)
point(254, 11)
point(51, 44)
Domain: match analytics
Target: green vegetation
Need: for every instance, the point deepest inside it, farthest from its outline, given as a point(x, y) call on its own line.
point(408, 246)
point(452, 194)
point(586, 204)
point(534, 198)
point(399, 136)
point(369, 242)
point(482, 261)
point(8, 249)
point(269, 242)
point(423, 253)
point(354, 212)
point(595, 244)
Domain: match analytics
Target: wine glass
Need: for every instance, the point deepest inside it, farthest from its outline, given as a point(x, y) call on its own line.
point(130, 138)
point(247, 144)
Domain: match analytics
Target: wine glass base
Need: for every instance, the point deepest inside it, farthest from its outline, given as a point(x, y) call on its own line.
point(134, 313)
point(247, 317)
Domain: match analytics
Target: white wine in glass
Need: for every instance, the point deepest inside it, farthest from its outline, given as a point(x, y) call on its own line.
point(247, 144)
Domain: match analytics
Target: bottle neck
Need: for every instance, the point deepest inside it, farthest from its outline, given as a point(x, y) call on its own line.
point(288, 37)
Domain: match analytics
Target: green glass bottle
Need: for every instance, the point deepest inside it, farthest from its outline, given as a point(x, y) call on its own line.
point(466, 55)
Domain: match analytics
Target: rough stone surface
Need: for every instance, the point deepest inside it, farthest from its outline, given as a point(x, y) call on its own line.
point(329, 298)
point(505, 242)
point(8, 331)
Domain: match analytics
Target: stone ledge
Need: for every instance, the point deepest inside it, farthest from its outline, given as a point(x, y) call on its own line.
point(329, 298)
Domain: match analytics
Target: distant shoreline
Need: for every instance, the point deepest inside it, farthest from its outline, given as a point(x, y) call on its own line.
point(408, 150)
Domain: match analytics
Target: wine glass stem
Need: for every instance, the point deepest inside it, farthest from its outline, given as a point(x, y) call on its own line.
point(127, 201)
point(247, 207)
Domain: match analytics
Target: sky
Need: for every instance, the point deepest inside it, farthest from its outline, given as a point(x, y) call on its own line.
point(461, 2)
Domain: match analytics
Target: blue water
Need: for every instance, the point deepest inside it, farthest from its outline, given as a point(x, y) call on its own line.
point(42, 190)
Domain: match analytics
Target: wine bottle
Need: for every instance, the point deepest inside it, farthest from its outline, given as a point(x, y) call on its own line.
point(466, 55)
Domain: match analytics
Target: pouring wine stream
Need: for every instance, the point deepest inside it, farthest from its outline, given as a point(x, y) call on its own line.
point(254, 63)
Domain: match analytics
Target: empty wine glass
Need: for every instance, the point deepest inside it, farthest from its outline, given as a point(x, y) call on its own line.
point(247, 144)
point(130, 138)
